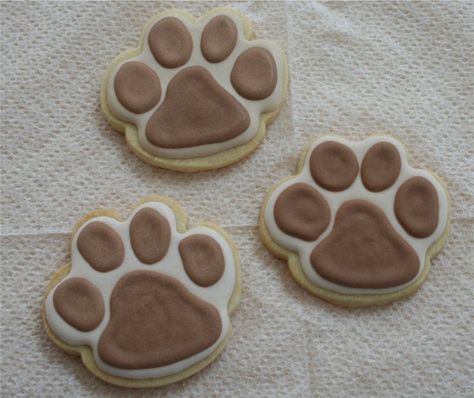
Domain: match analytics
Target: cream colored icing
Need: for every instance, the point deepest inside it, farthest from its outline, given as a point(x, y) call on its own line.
point(218, 294)
point(221, 71)
point(384, 200)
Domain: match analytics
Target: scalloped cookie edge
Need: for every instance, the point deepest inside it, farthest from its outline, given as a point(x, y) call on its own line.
point(85, 352)
point(346, 300)
point(203, 163)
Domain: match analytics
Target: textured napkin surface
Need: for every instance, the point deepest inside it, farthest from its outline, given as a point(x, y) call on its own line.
point(355, 68)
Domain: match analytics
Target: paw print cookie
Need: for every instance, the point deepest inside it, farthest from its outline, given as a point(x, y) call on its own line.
point(145, 302)
point(357, 224)
point(195, 94)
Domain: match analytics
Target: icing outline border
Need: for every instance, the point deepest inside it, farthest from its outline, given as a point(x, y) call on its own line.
point(86, 353)
point(202, 163)
point(350, 300)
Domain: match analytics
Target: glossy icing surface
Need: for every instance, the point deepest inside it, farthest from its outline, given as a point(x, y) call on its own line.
point(216, 295)
point(260, 78)
point(383, 200)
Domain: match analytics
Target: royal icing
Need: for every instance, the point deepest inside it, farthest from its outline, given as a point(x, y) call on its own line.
point(132, 314)
point(360, 218)
point(200, 97)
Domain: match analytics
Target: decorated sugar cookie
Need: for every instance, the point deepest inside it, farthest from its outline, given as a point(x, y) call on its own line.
point(357, 224)
point(144, 301)
point(195, 94)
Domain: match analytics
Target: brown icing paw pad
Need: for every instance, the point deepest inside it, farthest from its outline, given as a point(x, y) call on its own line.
point(357, 224)
point(194, 90)
point(145, 301)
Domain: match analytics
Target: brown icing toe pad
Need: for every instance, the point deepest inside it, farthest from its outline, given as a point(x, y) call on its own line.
point(417, 207)
point(202, 258)
point(150, 235)
point(170, 42)
point(380, 167)
point(151, 299)
point(357, 235)
point(79, 303)
point(101, 246)
point(137, 87)
point(302, 212)
point(195, 95)
point(218, 38)
point(255, 74)
point(333, 166)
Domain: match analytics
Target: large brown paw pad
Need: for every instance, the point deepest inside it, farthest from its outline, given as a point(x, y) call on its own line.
point(149, 300)
point(360, 218)
point(197, 88)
